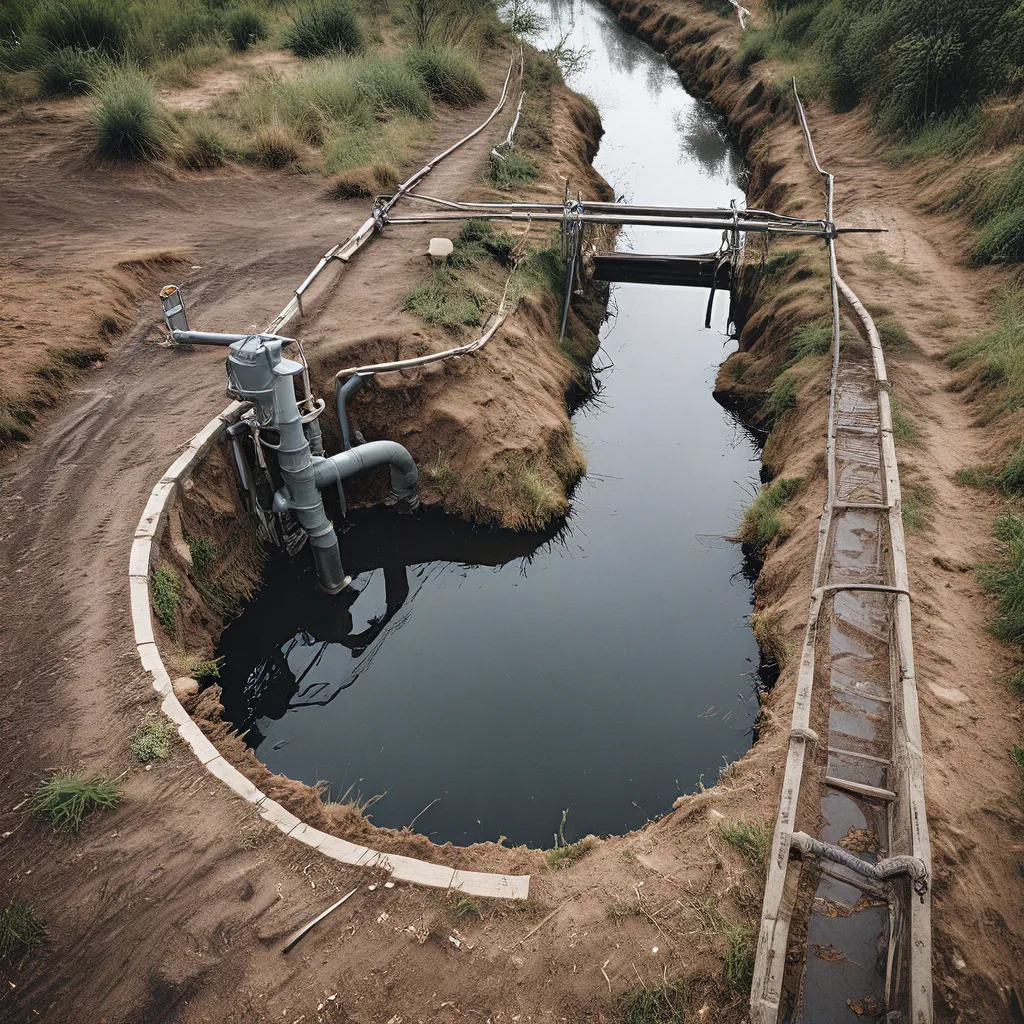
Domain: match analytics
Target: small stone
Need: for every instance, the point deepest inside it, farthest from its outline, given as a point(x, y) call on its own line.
point(440, 248)
point(184, 688)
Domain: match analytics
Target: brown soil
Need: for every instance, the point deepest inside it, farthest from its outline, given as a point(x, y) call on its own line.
point(173, 907)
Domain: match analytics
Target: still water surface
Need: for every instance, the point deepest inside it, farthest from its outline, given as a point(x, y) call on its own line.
point(603, 669)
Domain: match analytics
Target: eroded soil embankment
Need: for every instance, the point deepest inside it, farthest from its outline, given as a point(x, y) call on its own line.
point(969, 720)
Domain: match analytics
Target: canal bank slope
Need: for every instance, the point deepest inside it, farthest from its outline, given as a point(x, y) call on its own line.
point(969, 719)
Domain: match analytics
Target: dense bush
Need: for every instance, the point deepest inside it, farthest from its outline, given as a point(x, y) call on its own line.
point(102, 25)
point(66, 72)
point(128, 121)
point(448, 75)
point(322, 27)
point(245, 26)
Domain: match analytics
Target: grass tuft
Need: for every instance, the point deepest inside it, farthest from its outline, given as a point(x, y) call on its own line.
point(21, 930)
point(653, 1004)
point(764, 520)
point(165, 591)
point(127, 120)
point(67, 798)
point(442, 474)
point(1017, 756)
point(1004, 578)
point(782, 395)
point(324, 27)
point(562, 854)
point(812, 339)
point(739, 955)
point(448, 75)
point(770, 637)
point(510, 170)
point(995, 360)
point(903, 427)
point(467, 907)
point(66, 72)
point(918, 502)
point(273, 146)
point(201, 147)
point(204, 554)
point(152, 740)
point(753, 841)
point(245, 26)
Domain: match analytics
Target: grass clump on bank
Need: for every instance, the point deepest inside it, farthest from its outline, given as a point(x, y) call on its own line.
point(667, 1003)
point(67, 798)
point(562, 854)
point(128, 122)
point(764, 520)
point(165, 592)
point(152, 740)
point(1003, 579)
point(21, 930)
point(753, 841)
point(447, 75)
point(245, 26)
point(994, 361)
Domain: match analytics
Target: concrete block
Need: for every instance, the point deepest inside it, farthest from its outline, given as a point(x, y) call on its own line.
point(342, 850)
point(180, 466)
point(138, 560)
point(151, 523)
point(233, 778)
point(143, 624)
point(172, 708)
point(152, 663)
point(273, 812)
point(197, 740)
point(310, 836)
point(419, 872)
point(482, 883)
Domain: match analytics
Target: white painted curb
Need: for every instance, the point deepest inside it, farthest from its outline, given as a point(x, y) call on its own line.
point(147, 537)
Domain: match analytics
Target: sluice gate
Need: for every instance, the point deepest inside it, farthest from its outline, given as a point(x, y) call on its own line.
point(846, 915)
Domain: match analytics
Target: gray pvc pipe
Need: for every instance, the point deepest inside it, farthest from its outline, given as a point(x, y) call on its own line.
point(342, 393)
point(404, 475)
point(296, 464)
point(882, 870)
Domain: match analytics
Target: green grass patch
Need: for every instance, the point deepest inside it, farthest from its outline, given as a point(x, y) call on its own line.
point(995, 360)
point(753, 841)
point(891, 333)
point(879, 260)
point(811, 339)
point(442, 474)
point(509, 170)
point(66, 72)
point(1003, 578)
point(1017, 756)
point(200, 146)
point(467, 907)
point(782, 395)
point(67, 798)
point(21, 930)
point(445, 300)
point(204, 554)
point(563, 854)
point(1011, 479)
point(152, 740)
point(764, 520)
point(128, 122)
point(903, 427)
point(273, 146)
point(951, 136)
point(165, 592)
point(981, 477)
point(324, 27)
point(738, 967)
point(1016, 685)
point(918, 508)
point(653, 1004)
point(448, 75)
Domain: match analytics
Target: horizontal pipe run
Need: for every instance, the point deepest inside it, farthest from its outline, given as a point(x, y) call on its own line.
point(651, 221)
point(331, 471)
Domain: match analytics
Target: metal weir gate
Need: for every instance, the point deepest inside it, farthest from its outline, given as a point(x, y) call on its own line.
point(850, 868)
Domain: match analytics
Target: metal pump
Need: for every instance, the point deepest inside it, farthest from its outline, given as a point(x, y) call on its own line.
point(279, 391)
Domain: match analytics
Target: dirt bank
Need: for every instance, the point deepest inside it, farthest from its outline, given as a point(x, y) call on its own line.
point(969, 719)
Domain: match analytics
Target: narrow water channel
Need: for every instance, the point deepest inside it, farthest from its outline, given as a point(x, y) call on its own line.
point(602, 668)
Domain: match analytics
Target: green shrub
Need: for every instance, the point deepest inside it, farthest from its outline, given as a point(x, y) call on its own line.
point(324, 27)
point(273, 146)
point(509, 170)
point(102, 25)
point(245, 26)
point(21, 930)
point(478, 240)
point(66, 798)
point(390, 85)
point(201, 147)
point(995, 359)
point(127, 120)
point(445, 300)
point(764, 520)
point(152, 740)
point(204, 554)
point(66, 72)
point(165, 591)
point(448, 75)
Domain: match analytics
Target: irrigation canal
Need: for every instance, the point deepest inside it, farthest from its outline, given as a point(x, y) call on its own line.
point(604, 666)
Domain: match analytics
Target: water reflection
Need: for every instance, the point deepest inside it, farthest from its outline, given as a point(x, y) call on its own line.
point(702, 138)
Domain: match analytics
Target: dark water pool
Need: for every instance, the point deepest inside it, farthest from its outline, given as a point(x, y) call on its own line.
point(604, 668)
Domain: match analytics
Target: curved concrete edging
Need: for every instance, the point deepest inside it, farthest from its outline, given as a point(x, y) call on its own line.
point(146, 543)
